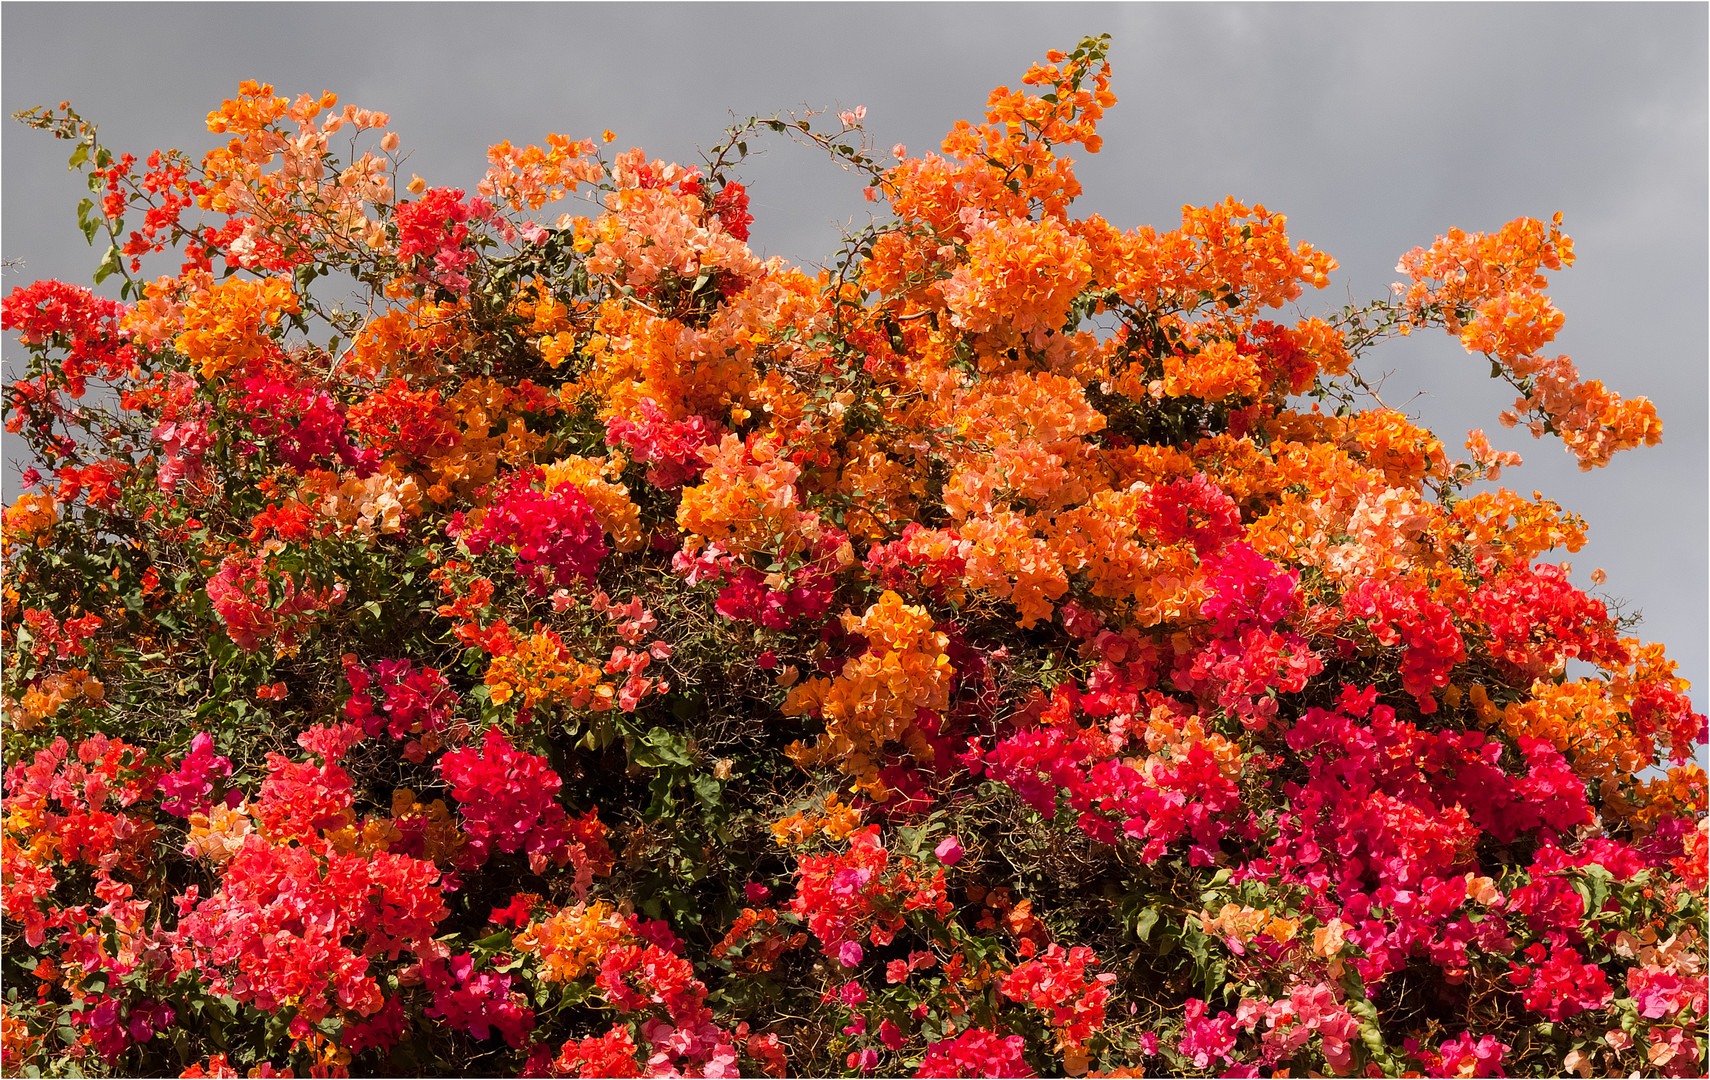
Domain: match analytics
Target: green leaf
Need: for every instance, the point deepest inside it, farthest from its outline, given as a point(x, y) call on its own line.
point(1216, 977)
point(111, 263)
point(1599, 880)
point(1584, 892)
point(669, 746)
point(663, 800)
point(708, 791)
point(1144, 923)
point(495, 942)
point(85, 222)
point(1195, 939)
point(79, 156)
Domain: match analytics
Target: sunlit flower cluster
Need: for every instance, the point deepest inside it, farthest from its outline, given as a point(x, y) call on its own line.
point(1004, 652)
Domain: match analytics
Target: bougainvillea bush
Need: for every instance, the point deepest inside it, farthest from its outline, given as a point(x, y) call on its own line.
point(517, 630)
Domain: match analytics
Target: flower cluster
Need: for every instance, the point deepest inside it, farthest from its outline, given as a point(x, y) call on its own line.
point(968, 688)
point(858, 894)
point(508, 801)
point(189, 790)
point(555, 536)
point(1487, 288)
point(671, 449)
point(876, 698)
point(396, 697)
point(1056, 984)
point(776, 600)
point(975, 1052)
point(242, 595)
point(433, 236)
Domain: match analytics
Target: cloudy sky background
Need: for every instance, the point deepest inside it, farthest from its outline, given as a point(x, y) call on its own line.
point(1374, 128)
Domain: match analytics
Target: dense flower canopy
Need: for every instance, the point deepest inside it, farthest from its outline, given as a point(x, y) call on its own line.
point(449, 633)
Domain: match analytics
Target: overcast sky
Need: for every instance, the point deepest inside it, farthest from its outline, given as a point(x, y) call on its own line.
point(1374, 128)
